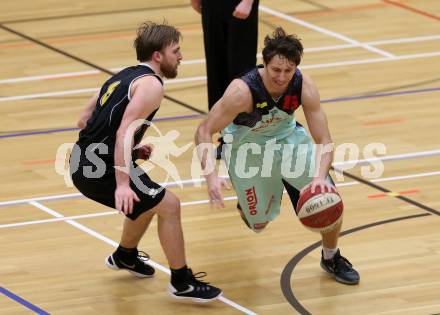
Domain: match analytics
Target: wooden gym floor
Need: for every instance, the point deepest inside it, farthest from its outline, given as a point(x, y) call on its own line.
point(376, 63)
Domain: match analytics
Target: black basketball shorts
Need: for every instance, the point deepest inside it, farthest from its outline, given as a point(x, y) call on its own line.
point(102, 190)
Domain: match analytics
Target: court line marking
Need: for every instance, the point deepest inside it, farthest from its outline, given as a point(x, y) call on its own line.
point(4, 135)
point(189, 203)
point(323, 101)
point(97, 214)
point(412, 9)
point(115, 244)
point(286, 274)
point(90, 64)
point(95, 14)
point(372, 60)
point(395, 157)
point(201, 61)
point(48, 94)
point(325, 31)
point(23, 302)
point(202, 78)
point(49, 131)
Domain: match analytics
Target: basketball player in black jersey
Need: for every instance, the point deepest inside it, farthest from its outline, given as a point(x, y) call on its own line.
point(103, 163)
point(257, 112)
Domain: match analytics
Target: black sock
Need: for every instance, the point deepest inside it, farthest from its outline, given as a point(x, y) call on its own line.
point(127, 255)
point(178, 276)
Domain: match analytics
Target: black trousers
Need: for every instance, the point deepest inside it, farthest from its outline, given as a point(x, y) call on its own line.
point(230, 44)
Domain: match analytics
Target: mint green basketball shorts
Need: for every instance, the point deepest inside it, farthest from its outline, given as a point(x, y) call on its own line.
point(258, 173)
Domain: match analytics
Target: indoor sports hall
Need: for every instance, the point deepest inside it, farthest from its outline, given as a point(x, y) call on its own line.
point(377, 66)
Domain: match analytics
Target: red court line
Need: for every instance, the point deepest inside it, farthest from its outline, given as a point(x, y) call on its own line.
point(409, 191)
point(383, 122)
point(362, 7)
point(91, 37)
point(404, 6)
point(391, 194)
point(35, 162)
point(376, 196)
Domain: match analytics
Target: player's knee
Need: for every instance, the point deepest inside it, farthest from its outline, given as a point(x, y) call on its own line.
point(169, 207)
point(170, 212)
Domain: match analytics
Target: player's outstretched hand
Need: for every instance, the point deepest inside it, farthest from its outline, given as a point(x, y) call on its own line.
point(215, 185)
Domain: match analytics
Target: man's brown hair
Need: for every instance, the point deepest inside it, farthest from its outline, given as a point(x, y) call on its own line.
point(288, 46)
point(153, 37)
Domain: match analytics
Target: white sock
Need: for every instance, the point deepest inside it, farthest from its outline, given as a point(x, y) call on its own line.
point(329, 252)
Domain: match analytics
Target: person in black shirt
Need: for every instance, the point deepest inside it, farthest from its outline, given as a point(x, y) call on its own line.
point(230, 36)
point(103, 166)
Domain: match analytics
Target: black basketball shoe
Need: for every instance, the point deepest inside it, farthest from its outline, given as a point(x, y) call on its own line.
point(340, 268)
point(190, 288)
point(137, 268)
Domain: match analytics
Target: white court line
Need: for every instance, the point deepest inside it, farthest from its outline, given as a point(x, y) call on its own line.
point(395, 157)
point(58, 219)
point(88, 72)
point(324, 31)
point(50, 76)
point(49, 94)
point(98, 214)
point(372, 60)
point(75, 195)
point(115, 244)
point(374, 43)
point(89, 90)
point(404, 40)
point(202, 78)
point(200, 61)
point(198, 202)
point(403, 156)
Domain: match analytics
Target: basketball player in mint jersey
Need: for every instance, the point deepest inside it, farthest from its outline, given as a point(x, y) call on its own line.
point(268, 150)
point(103, 163)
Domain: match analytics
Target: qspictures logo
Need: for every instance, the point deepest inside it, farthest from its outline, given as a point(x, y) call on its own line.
point(69, 155)
point(292, 161)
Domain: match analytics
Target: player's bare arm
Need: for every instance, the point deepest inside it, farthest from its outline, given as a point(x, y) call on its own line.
point(146, 95)
point(87, 111)
point(318, 126)
point(236, 99)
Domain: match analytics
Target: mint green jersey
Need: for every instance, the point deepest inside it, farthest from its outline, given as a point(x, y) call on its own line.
point(267, 150)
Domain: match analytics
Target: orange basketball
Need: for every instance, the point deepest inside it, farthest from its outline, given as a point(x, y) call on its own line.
point(319, 212)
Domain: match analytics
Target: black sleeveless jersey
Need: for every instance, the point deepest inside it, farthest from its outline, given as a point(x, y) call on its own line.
point(263, 102)
point(110, 108)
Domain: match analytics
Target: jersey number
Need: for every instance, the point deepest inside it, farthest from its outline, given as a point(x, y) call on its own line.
point(109, 92)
